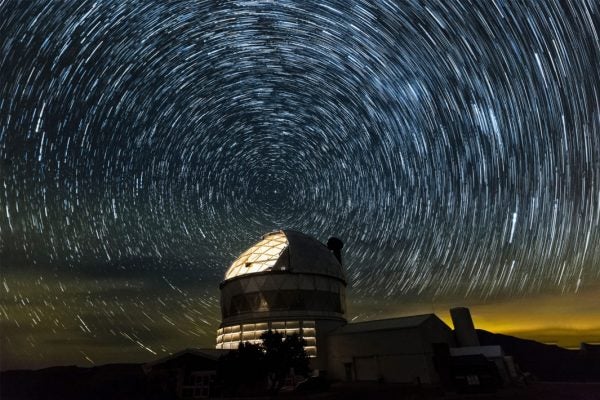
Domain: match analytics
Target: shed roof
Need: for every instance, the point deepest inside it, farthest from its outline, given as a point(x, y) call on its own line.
point(412, 321)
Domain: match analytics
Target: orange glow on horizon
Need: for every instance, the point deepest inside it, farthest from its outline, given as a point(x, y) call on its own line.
point(564, 319)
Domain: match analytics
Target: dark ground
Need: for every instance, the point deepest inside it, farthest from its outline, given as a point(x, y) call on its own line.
point(106, 389)
point(535, 391)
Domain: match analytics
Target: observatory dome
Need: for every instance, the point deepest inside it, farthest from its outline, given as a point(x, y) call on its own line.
point(289, 251)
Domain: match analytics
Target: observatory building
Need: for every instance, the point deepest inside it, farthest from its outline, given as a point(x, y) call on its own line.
point(292, 283)
point(287, 282)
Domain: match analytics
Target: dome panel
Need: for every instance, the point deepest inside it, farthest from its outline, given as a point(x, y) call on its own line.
point(256, 259)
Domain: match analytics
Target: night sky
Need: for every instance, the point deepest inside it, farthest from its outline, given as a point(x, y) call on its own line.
point(454, 146)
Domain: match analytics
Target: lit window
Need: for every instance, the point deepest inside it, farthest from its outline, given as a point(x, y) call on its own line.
point(252, 333)
point(197, 385)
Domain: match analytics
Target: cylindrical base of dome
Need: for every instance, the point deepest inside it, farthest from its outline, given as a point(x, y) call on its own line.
point(314, 332)
point(271, 295)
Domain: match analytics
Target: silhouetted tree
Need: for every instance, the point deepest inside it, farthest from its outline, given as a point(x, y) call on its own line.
point(242, 369)
point(248, 368)
point(283, 355)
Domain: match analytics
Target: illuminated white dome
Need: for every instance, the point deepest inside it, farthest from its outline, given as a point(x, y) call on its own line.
point(286, 251)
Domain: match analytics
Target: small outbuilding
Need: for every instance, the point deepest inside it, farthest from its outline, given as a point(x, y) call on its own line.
point(389, 350)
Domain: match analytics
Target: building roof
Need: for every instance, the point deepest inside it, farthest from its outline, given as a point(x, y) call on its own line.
point(286, 250)
point(384, 324)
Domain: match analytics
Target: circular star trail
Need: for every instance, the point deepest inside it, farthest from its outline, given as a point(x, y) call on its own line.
point(453, 146)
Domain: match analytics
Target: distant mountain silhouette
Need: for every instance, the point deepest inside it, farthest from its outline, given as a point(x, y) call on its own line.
point(546, 362)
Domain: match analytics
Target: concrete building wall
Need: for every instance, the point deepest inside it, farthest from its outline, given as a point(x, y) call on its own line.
point(434, 330)
point(323, 329)
point(392, 355)
point(402, 368)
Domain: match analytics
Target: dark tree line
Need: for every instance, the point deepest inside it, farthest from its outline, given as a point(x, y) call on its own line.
point(256, 368)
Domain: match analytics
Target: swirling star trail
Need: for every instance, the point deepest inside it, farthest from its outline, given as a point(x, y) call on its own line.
point(453, 146)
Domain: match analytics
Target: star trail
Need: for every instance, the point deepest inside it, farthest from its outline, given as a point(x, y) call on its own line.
point(453, 146)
